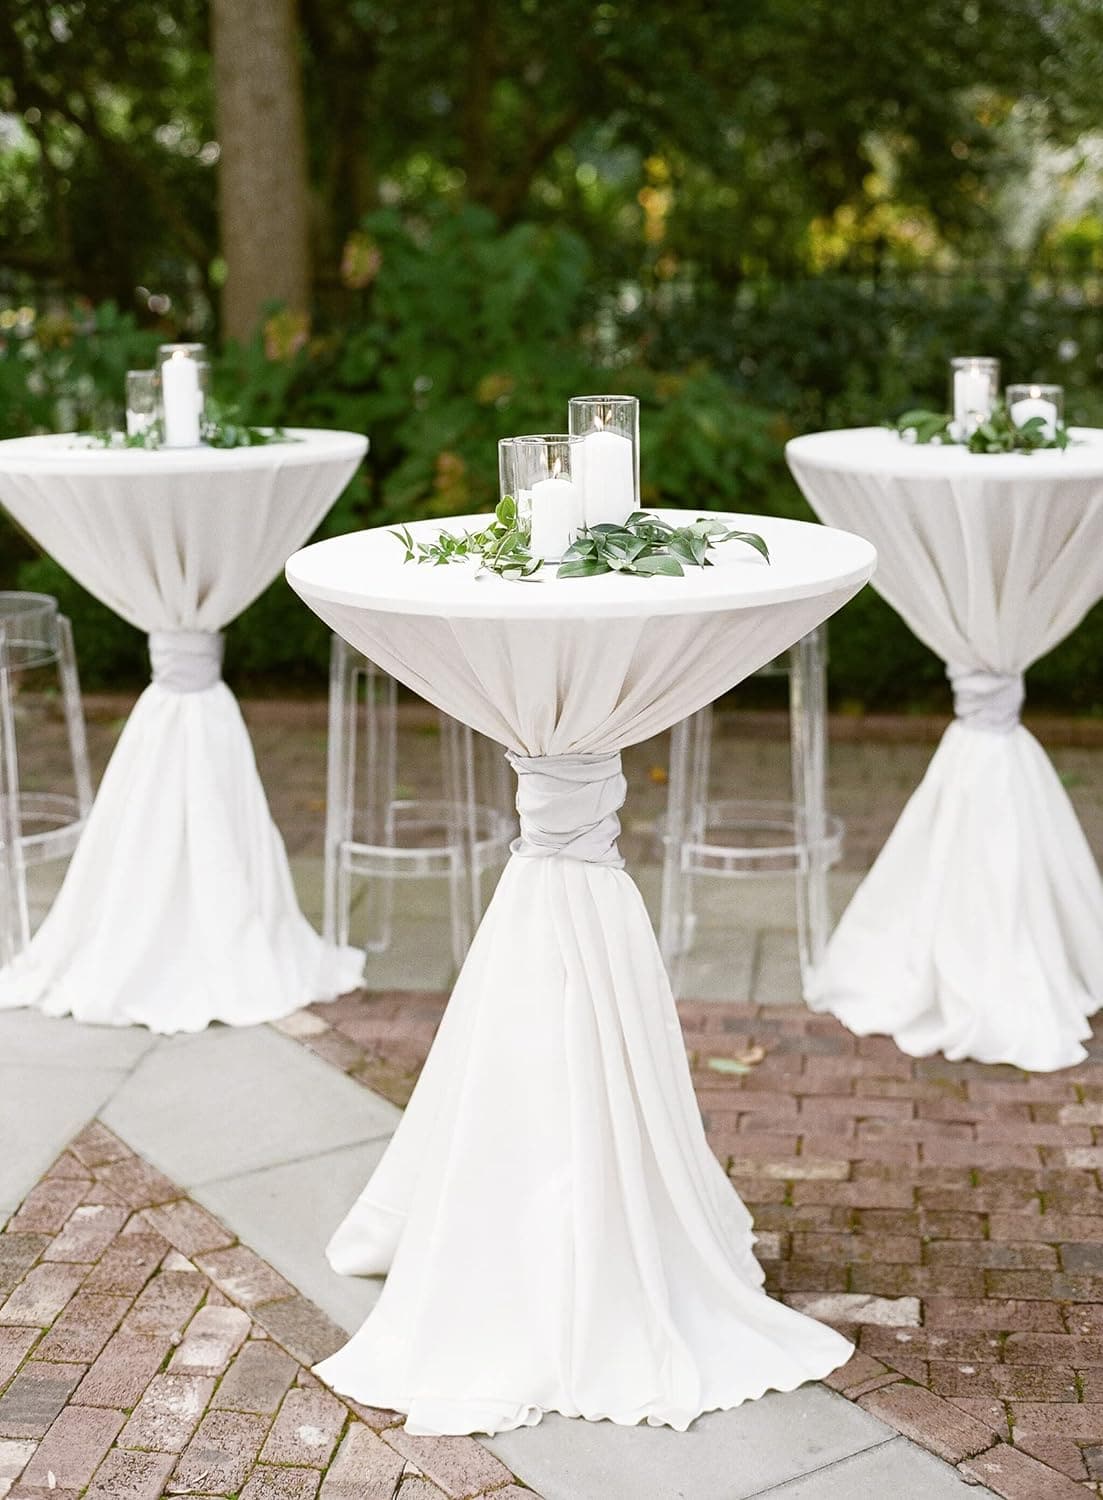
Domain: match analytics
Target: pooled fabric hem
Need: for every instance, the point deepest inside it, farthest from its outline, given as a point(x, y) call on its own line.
point(429, 1416)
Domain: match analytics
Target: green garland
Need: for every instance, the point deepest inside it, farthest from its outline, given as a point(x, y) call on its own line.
point(645, 546)
point(222, 428)
point(997, 434)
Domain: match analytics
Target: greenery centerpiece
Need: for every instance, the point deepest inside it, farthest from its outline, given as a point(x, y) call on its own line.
point(223, 427)
point(997, 433)
point(645, 546)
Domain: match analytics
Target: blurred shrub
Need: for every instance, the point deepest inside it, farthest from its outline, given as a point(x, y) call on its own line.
point(464, 333)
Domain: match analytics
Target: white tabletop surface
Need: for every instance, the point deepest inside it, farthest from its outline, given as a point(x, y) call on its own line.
point(67, 453)
point(879, 450)
point(367, 569)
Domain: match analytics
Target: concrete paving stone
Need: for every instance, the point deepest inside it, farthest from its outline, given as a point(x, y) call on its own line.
point(41, 1295)
point(35, 1397)
point(459, 1466)
point(48, 1205)
point(127, 1265)
point(16, 1454)
point(847, 1307)
point(267, 1483)
point(220, 1455)
point(88, 1231)
point(322, 1190)
point(96, 1146)
point(30, 1039)
point(306, 1429)
point(729, 1455)
point(15, 1345)
point(939, 1425)
point(18, 1252)
point(1017, 1476)
point(241, 1274)
point(167, 1302)
point(211, 1340)
point(73, 1448)
point(187, 1227)
point(416, 1488)
point(168, 1413)
point(83, 1328)
point(211, 1106)
point(123, 1370)
point(258, 1379)
point(137, 1183)
point(895, 1468)
point(303, 1329)
point(131, 1476)
point(38, 1118)
point(365, 1468)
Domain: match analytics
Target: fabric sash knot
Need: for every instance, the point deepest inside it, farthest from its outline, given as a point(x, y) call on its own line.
point(568, 805)
point(186, 661)
point(990, 701)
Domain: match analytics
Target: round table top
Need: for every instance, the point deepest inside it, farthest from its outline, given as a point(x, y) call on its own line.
point(879, 450)
point(65, 453)
point(367, 570)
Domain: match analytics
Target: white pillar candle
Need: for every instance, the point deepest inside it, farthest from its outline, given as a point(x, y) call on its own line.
point(972, 399)
point(181, 399)
point(608, 478)
point(556, 512)
point(1035, 405)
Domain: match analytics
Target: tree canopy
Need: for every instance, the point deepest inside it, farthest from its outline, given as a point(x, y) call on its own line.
point(718, 138)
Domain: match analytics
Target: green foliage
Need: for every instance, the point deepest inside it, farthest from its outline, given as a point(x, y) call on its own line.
point(996, 434)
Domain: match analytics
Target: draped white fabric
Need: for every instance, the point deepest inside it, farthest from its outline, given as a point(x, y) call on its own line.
point(556, 1232)
point(979, 930)
point(178, 907)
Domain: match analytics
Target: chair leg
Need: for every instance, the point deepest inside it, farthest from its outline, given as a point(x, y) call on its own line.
point(15, 930)
point(74, 716)
point(808, 740)
point(340, 787)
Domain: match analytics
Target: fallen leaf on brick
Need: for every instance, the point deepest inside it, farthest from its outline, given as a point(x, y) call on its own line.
point(742, 1062)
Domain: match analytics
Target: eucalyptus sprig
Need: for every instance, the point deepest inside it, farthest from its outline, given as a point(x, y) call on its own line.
point(648, 546)
point(645, 546)
point(501, 547)
point(996, 434)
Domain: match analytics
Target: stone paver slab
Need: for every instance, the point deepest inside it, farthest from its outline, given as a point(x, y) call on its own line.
point(41, 1109)
point(365, 1468)
point(258, 1379)
point(73, 1448)
point(211, 1340)
point(306, 1429)
point(897, 1468)
point(168, 1413)
point(323, 1189)
point(35, 1397)
point(232, 1086)
point(131, 1476)
point(724, 1456)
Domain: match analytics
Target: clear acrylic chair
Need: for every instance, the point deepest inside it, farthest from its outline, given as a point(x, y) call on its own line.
point(380, 832)
point(742, 840)
point(36, 826)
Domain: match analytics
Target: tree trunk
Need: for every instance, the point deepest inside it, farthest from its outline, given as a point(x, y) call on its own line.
point(263, 194)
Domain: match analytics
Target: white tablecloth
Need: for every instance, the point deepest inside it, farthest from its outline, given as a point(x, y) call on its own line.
point(979, 930)
point(558, 1235)
point(178, 907)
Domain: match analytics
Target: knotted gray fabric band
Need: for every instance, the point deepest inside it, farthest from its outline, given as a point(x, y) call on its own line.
point(568, 805)
point(990, 701)
point(186, 661)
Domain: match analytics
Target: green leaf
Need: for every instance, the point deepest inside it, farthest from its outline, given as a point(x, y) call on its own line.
point(589, 568)
point(658, 563)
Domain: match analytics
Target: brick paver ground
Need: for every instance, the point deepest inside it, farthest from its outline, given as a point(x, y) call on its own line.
point(946, 1216)
point(145, 1353)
